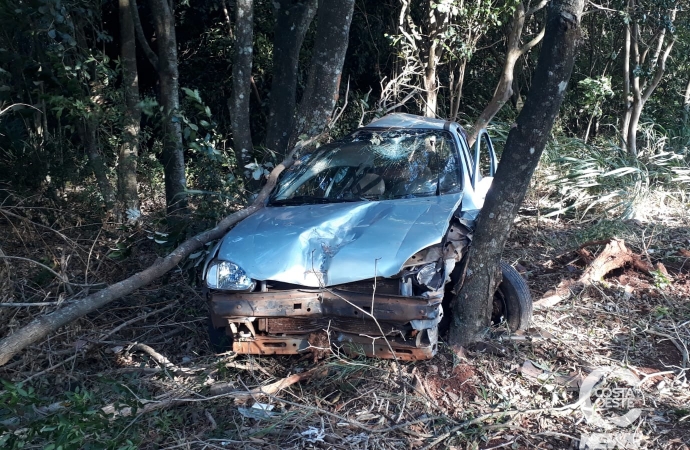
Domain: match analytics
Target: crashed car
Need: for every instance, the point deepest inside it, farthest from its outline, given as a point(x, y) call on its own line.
point(359, 247)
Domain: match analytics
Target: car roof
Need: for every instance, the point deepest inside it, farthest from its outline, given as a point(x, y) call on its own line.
point(402, 120)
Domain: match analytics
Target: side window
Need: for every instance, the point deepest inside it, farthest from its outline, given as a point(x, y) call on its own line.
point(484, 159)
point(485, 167)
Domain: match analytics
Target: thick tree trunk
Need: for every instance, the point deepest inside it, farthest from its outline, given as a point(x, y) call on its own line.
point(505, 83)
point(242, 81)
point(89, 135)
point(44, 325)
point(472, 306)
point(127, 194)
point(173, 151)
point(332, 32)
point(292, 22)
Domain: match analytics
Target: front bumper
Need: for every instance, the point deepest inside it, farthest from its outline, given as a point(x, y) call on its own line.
point(296, 321)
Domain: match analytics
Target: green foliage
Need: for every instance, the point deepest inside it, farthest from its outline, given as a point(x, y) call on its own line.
point(76, 421)
point(596, 91)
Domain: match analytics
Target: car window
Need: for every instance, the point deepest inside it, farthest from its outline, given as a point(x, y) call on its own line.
point(373, 165)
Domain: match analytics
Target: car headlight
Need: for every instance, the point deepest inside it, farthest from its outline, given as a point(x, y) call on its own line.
point(228, 275)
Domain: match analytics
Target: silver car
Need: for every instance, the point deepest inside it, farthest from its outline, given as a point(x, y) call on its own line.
point(358, 248)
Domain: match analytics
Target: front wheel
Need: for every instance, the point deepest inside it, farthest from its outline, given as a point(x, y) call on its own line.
point(512, 301)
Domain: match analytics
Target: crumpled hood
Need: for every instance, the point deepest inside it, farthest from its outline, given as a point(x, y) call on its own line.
point(314, 245)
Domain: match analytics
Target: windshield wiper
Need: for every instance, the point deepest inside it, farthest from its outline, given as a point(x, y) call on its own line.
point(310, 200)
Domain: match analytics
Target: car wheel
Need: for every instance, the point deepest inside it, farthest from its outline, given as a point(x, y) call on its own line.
point(512, 301)
point(218, 339)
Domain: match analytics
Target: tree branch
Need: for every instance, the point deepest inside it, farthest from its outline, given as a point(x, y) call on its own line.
point(537, 39)
point(536, 8)
point(141, 38)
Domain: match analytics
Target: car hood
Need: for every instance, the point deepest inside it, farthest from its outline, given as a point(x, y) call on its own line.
point(326, 245)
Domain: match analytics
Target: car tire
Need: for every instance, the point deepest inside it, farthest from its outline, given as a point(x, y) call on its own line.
point(218, 339)
point(512, 300)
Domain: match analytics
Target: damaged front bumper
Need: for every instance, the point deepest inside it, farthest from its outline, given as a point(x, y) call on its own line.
point(300, 320)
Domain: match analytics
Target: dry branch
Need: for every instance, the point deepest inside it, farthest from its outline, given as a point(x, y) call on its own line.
point(42, 326)
point(614, 256)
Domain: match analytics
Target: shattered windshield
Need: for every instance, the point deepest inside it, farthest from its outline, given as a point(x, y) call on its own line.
point(373, 165)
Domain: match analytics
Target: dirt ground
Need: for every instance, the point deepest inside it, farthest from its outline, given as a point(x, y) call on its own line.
point(519, 391)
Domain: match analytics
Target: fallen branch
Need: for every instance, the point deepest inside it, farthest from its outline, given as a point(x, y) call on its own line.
point(614, 256)
point(88, 346)
point(42, 326)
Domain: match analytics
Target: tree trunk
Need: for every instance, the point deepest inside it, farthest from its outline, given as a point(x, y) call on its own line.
point(430, 85)
point(127, 194)
point(505, 83)
point(626, 81)
point(332, 32)
point(173, 151)
point(526, 141)
point(89, 135)
point(686, 102)
point(455, 89)
point(242, 81)
point(292, 22)
point(44, 325)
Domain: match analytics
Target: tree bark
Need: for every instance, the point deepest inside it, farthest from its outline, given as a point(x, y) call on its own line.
point(89, 135)
point(241, 81)
point(505, 83)
point(128, 197)
point(173, 151)
point(642, 89)
point(332, 32)
point(686, 102)
point(526, 141)
point(625, 126)
point(292, 22)
point(44, 325)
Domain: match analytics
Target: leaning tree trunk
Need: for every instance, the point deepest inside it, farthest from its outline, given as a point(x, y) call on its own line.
point(318, 101)
point(505, 83)
point(128, 197)
point(173, 151)
point(526, 141)
point(292, 22)
point(241, 81)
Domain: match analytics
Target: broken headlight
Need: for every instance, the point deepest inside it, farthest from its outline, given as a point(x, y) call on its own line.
point(228, 275)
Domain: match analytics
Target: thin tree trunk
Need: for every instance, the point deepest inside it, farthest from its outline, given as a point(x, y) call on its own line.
point(430, 85)
point(320, 95)
point(173, 151)
point(292, 22)
point(241, 81)
point(89, 137)
point(504, 88)
point(626, 81)
point(642, 93)
point(526, 141)
point(46, 324)
point(128, 197)
point(456, 90)
point(686, 101)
